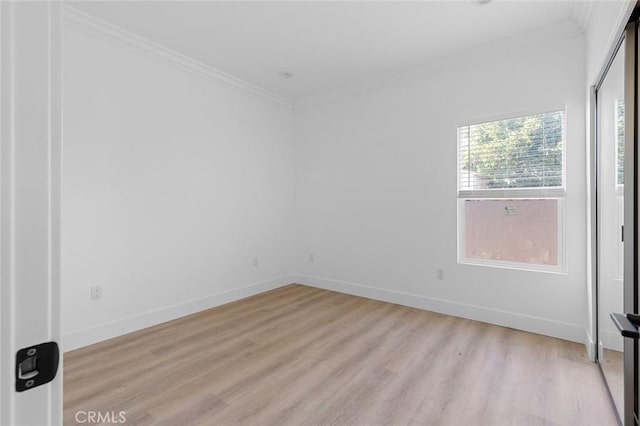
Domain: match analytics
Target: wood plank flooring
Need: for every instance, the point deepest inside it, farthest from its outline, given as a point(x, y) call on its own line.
point(304, 356)
point(613, 370)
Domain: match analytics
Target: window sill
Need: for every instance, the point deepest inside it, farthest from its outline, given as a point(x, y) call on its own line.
point(525, 267)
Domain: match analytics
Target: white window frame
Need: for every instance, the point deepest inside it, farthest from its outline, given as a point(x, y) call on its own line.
point(557, 193)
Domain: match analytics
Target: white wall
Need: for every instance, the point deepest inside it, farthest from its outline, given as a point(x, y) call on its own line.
point(376, 189)
point(172, 184)
point(605, 22)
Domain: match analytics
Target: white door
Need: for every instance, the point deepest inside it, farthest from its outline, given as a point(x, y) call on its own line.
point(30, 162)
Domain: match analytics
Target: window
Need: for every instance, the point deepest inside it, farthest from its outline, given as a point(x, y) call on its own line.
point(511, 192)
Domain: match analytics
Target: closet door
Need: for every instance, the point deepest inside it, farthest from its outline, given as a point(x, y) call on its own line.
point(626, 320)
point(631, 384)
point(610, 99)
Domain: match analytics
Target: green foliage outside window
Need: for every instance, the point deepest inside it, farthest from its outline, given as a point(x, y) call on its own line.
point(620, 141)
point(524, 152)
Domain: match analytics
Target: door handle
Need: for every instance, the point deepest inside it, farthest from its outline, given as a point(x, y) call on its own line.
point(627, 324)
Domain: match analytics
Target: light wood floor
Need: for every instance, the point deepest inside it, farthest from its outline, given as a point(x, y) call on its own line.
point(613, 370)
point(304, 356)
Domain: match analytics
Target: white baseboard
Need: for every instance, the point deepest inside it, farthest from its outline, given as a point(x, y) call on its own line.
point(538, 325)
point(611, 340)
point(88, 336)
point(590, 345)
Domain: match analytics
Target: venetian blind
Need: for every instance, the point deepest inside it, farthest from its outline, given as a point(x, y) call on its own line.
point(516, 155)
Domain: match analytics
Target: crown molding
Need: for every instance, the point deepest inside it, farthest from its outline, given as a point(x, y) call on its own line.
point(582, 13)
point(88, 24)
point(559, 31)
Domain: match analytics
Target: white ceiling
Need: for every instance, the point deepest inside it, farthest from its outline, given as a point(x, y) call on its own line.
point(326, 45)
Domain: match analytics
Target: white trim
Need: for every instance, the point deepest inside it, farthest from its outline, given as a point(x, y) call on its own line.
point(591, 228)
point(524, 113)
point(581, 13)
point(30, 148)
point(74, 18)
point(559, 31)
point(7, 307)
point(624, 14)
point(533, 324)
point(88, 24)
point(56, 49)
point(516, 193)
point(87, 336)
point(558, 193)
point(518, 266)
point(590, 345)
point(611, 340)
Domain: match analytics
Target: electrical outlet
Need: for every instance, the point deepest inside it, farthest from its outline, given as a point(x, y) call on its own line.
point(440, 273)
point(96, 292)
point(255, 262)
point(311, 257)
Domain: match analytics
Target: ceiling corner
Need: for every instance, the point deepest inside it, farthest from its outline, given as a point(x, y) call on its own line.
point(581, 13)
